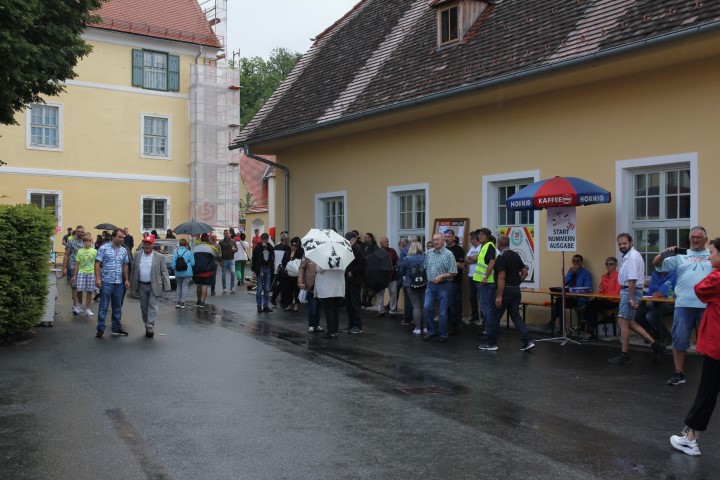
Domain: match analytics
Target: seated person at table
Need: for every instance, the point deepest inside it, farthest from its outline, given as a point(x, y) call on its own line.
point(608, 286)
point(650, 314)
point(576, 277)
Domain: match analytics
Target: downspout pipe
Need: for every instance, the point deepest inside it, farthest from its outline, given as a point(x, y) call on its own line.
point(287, 180)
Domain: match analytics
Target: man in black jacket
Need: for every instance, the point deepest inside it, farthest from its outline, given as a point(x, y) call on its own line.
point(353, 283)
point(263, 261)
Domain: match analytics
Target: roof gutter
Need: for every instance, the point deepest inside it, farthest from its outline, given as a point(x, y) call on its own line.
point(709, 27)
point(287, 179)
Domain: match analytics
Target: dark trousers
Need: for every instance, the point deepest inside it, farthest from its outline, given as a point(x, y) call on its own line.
point(455, 307)
point(213, 280)
point(472, 289)
point(290, 290)
point(593, 308)
point(706, 396)
point(511, 302)
point(331, 306)
point(352, 304)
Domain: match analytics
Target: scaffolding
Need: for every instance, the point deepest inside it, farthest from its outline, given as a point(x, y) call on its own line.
point(214, 123)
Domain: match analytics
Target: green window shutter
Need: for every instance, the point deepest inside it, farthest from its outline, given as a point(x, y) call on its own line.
point(173, 73)
point(137, 68)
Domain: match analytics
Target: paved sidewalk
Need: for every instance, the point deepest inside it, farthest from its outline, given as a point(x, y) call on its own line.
point(227, 393)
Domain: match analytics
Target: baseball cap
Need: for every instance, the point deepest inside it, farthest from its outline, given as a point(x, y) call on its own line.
point(149, 239)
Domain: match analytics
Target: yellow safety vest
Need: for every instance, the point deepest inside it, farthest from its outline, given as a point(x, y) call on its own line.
point(482, 267)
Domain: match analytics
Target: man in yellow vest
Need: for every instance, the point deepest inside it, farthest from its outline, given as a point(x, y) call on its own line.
point(484, 275)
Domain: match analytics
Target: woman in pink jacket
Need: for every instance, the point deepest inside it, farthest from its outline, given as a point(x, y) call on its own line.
point(708, 343)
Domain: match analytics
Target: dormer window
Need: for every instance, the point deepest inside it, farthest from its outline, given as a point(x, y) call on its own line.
point(455, 18)
point(448, 18)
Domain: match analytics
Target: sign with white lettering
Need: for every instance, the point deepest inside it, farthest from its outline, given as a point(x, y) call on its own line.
point(561, 229)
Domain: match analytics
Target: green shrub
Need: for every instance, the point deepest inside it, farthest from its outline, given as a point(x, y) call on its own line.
point(24, 266)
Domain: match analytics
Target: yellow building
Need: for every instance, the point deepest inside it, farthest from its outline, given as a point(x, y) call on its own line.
point(405, 112)
point(119, 144)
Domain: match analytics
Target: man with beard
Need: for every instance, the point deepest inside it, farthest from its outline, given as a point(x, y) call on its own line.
point(631, 278)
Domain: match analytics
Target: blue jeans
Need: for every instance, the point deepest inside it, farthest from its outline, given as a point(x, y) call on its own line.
point(510, 302)
point(228, 266)
point(487, 300)
point(313, 309)
point(439, 293)
point(111, 292)
point(262, 291)
point(685, 320)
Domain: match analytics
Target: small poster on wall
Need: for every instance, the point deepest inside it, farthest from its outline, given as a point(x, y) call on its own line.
point(460, 226)
point(561, 229)
point(522, 241)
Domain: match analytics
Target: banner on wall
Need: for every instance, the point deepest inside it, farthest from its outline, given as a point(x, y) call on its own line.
point(561, 229)
point(522, 241)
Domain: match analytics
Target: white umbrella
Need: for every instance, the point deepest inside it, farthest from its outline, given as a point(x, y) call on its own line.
point(328, 249)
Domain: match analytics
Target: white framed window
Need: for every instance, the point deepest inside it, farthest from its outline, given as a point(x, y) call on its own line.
point(661, 204)
point(155, 136)
point(155, 70)
point(44, 127)
point(448, 25)
point(155, 213)
point(408, 212)
point(50, 199)
point(330, 211)
point(495, 215)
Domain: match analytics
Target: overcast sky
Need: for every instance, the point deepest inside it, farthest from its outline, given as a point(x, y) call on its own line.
point(256, 27)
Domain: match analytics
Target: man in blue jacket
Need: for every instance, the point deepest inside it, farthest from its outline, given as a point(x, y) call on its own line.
point(576, 277)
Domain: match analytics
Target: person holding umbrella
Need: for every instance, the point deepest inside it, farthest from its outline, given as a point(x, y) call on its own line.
point(205, 256)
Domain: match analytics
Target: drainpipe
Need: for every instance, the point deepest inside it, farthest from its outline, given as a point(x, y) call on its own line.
point(287, 181)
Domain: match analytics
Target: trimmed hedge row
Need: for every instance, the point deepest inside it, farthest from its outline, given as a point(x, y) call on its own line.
point(25, 232)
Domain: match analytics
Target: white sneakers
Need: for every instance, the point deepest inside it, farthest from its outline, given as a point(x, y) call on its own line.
point(417, 331)
point(684, 444)
point(78, 309)
point(89, 313)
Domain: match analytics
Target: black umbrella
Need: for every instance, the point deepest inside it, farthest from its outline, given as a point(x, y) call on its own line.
point(192, 228)
point(106, 226)
point(378, 270)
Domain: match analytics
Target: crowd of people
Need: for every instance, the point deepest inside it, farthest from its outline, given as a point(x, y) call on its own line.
point(430, 279)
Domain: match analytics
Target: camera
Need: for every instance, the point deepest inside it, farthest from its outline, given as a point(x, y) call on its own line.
point(681, 251)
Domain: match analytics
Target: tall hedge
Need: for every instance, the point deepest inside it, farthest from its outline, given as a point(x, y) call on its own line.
point(25, 232)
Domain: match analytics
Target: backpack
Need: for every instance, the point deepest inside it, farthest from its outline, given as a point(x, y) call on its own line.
point(418, 277)
point(180, 264)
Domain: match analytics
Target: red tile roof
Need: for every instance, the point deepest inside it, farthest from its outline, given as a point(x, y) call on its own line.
point(383, 55)
point(252, 175)
point(180, 20)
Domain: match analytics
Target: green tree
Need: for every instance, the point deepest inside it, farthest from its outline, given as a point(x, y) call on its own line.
point(259, 79)
point(40, 45)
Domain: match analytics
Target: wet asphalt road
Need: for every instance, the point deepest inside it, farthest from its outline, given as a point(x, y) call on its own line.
point(227, 393)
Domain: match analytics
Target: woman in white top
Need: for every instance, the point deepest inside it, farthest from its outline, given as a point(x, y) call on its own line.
point(330, 289)
point(241, 258)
